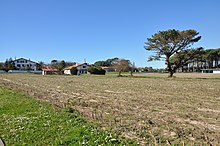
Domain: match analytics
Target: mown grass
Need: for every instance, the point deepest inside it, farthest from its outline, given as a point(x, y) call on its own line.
point(27, 121)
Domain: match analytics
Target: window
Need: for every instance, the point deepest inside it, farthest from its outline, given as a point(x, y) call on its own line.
point(18, 65)
point(84, 66)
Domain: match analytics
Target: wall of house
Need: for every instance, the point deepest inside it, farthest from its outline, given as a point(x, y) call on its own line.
point(25, 64)
point(82, 69)
point(67, 72)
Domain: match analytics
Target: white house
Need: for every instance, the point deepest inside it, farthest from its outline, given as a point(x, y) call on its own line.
point(81, 68)
point(24, 64)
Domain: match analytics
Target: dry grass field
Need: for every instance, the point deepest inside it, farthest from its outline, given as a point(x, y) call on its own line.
point(154, 111)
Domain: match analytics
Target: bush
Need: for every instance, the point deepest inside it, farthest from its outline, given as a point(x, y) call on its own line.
point(97, 71)
point(74, 71)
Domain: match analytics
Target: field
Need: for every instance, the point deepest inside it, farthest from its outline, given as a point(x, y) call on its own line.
point(151, 109)
point(26, 121)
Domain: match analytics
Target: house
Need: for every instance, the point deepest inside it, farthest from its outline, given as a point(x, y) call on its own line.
point(214, 70)
point(25, 64)
point(49, 70)
point(80, 69)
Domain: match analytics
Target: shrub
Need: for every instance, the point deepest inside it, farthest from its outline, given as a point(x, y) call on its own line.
point(74, 71)
point(97, 71)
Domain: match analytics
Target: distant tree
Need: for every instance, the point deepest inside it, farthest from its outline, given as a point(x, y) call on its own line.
point(122, 65)
point(108, 62)
point(62, 64)
point(68, 63)
point(149, 69)
point(215, 57)
point(59, 65)
point(169, 42)
point(54, 61)
point(100, 63)
point(1, 66)
point(9, 65)
point(112, 61)
point(40, 65)
point(181, 59)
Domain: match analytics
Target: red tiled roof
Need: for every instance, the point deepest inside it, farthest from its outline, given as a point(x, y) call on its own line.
point(49, 68)
point(75, 65)
point(72, 66)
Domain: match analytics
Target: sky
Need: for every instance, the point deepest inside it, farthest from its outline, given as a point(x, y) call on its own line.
point(93, 30)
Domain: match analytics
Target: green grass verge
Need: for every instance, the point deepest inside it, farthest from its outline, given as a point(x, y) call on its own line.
point(27, 121)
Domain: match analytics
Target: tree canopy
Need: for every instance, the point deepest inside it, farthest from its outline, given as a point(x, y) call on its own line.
point(167, 43)
point(197, 59)
point(108, 62)
point(122, 65)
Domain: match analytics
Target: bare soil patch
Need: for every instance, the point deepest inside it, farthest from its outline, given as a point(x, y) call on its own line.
point(154, 111)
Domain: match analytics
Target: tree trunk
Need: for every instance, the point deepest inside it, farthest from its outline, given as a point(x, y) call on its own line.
point(169, 67)
point(171, 74)
point(119, 73)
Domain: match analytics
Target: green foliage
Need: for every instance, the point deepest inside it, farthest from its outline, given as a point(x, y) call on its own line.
point(100, 63)
point(73, 71)
point(108, 62)
point(40, 65)
point(59, 65)
point(183, 58)
point(26, 121)
point(9, 65)
point(97, 71)
point(62, 64)
point(167, 43)
point(208, 58)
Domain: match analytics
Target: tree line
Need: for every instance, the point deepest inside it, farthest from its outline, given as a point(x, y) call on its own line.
point(203, 59)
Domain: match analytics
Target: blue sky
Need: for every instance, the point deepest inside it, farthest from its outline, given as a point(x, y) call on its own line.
point(94, 30)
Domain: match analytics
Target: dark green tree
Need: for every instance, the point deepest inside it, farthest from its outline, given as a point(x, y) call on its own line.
point(59, 65)
point(9, 65)
point(74, 71)
point(108, 62)
point(97, 71)
point(181, 59)
point(169, 42)
point(100, 63)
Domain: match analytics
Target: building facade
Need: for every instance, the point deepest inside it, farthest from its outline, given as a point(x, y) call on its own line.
point(25, 64)
point(81, 68)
